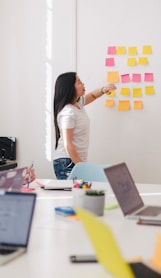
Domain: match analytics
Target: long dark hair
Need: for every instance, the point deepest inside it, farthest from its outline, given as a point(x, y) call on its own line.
point(64, 94)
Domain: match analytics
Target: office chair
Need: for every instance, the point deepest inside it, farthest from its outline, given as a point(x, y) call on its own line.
point(89, 172)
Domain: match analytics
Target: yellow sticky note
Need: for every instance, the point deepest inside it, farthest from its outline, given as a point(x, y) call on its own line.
point(109, 103)
point(125, 91)
point(138, 104)
point(113, 76)
point(147, 49)
point(105, 246)
point(143, 61)
point(132, 50)
point(149, 90)
point(156, 259)
point(121, 50)
point(112, 94)
point(137, 92)
point(124, 105)
point(131, 62)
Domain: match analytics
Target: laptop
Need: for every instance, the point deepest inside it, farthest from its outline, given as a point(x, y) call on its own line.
point(12, 179)
point(128, 196)
point(108, 253)
point(16, 214)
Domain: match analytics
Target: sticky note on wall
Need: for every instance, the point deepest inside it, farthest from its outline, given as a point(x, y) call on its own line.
point(143, 61)
point(113, 76)
point(149, 90)
point(124, 105)
point(125, 91)
point(121, 50)
point(132, 50)
point(109, 103)
point(147, 49)
point(131, 62)
point(137, 92)
point(138, 104)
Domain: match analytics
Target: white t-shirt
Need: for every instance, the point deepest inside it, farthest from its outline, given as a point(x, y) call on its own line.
point(71, 117)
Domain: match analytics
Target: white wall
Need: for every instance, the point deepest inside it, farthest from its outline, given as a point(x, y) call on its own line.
point(39, 41)
point(133, 136)
point(31, 58)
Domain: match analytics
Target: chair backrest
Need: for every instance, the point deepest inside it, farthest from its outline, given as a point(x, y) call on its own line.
point(89, 172)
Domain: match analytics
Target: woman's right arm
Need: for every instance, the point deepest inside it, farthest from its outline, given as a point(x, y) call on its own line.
point(69, 146)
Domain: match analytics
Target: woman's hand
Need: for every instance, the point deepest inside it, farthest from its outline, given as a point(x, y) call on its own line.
point(107, 89)
point(30, 175)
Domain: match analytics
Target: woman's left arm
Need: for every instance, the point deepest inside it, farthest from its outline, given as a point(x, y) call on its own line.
point(90, 97)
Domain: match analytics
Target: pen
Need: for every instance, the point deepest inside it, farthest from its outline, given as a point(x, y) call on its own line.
point(149, 222)
point(28, 183)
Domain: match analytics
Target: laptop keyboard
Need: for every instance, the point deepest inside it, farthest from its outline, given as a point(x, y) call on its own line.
point(140, 270)
point(6, 251)
point(150, 211)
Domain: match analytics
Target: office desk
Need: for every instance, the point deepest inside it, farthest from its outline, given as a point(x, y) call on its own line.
point(54, 238)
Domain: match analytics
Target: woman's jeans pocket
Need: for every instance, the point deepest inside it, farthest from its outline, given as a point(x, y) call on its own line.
point(62, 167)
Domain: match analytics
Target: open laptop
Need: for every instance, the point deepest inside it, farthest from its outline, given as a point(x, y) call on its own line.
point(16, 214)
point(127, 194)
point(12, 179)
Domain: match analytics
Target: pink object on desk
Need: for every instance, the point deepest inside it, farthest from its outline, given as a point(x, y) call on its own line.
point(27, 189)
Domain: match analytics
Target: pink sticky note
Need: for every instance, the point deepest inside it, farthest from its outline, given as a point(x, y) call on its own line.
point(136, 77)
point(125, 78)
point(109, 62)
point(111, 50)
point(148, 77)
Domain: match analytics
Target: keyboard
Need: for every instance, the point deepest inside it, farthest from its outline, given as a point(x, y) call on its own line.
point(150, 211)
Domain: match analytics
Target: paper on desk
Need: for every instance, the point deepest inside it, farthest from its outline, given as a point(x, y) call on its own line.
point(156, 259)
point(107, 251)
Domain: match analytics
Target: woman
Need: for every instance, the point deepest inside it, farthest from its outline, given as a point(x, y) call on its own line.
point(71, 121)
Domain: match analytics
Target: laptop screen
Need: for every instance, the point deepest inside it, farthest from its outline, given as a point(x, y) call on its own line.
point(16, 213)
point(12, 179)
point(124, 188)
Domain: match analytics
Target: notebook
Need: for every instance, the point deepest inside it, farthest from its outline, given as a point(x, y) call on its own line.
point(16, 214)
point(107, 251)
point(12, 179)
point(58, 185)
point(127, 194)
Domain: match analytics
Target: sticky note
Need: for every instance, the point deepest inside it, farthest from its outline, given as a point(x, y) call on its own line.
point(147, 49)
point(121, 50)
point(136, 77)
point(112, 94)
point(131, 62)
point(156, 259)
point(125, 78)
point(132, 50)
point(109, 103)
point(148, 77)
point(113, 76)
point(111, 50)
point(105, 245)
point(149, 90)
point(143, 61)
point(109, 62)
point(124, 105)
point(137, 92)
point(125, 91)
point(138, 104)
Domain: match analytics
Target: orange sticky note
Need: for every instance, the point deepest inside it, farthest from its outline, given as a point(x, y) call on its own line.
point(149, 90)
point(131, 62)
point(143, 61)
point(124, 105)
point(137, 92)
point(125, 91)
point(113, 76)
point(156, 259)
point(109, 103)
point(138, 104)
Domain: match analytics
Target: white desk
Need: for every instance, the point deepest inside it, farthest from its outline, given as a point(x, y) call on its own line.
point(53, 239)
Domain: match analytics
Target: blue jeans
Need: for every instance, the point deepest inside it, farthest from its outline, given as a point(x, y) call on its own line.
point(62, 167)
